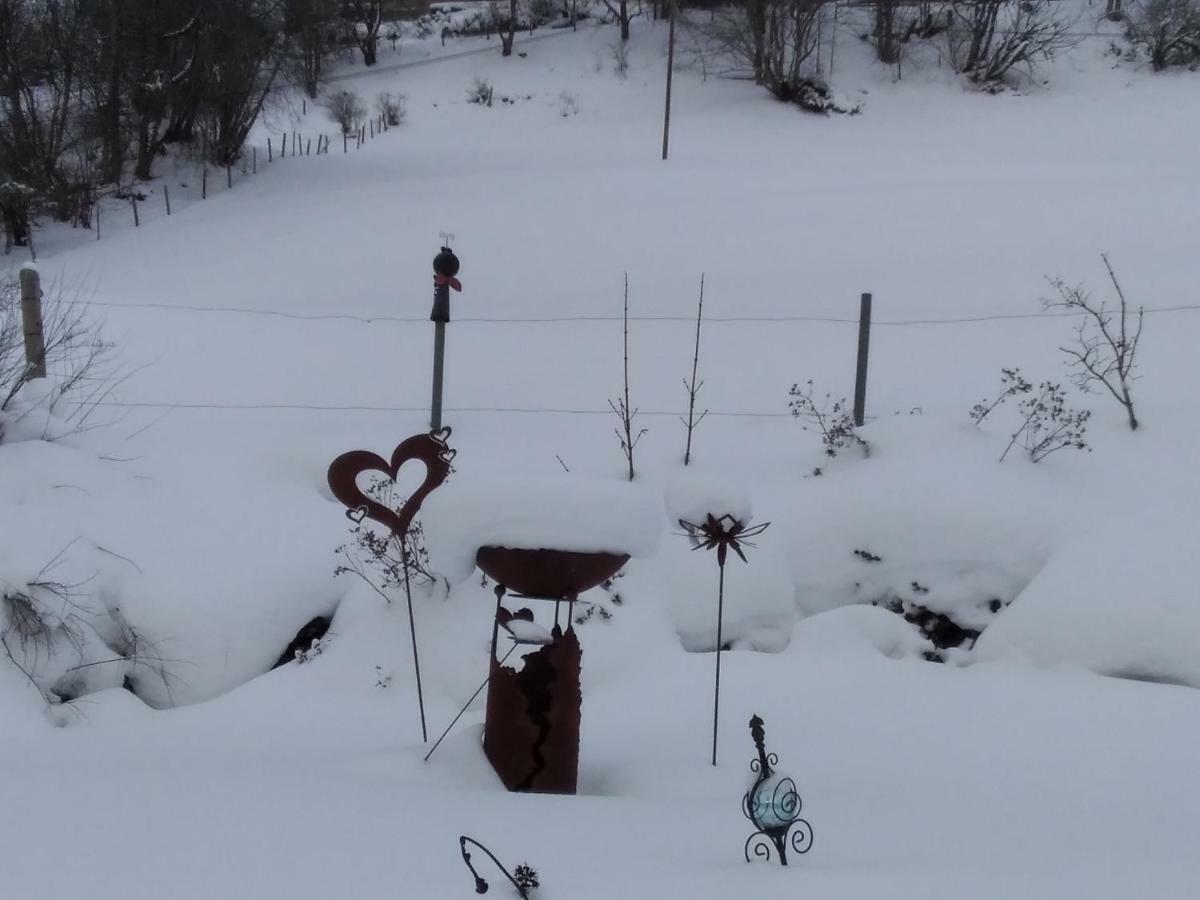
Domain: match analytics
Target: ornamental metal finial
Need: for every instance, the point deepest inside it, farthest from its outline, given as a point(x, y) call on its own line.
point(773, 806)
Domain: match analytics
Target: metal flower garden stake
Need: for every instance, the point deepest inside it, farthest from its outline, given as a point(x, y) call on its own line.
point(722, 534)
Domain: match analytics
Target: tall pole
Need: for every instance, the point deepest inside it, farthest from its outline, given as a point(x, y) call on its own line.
point(441, 296)
point(860, 376)
point(717, 683)
point(670, 69)
point(445, 267)
point(31, 320)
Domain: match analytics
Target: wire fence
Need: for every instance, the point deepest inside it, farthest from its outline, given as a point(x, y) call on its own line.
point(369, 319)
point(537, 410)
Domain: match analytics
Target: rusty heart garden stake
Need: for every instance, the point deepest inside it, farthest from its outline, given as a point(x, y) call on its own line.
point(430, 449)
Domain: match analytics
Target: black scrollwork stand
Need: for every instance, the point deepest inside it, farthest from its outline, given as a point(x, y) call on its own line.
point(773, 806)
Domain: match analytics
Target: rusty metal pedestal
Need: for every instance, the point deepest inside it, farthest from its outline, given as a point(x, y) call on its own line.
point(531, 735)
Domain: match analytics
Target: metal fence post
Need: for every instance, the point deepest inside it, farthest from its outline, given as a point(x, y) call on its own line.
point(445, 268)
point(860, 378)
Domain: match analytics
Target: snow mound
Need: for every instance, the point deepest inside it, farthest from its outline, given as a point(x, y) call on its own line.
point(694, 495)
point(559, 512)
point(1119, 609)
point(853, 628)
point(931, 520)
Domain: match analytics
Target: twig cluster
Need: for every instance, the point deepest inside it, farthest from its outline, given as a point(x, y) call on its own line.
point(1106, 341)
point(378, 558)
point(833, 419)
point(621, 407)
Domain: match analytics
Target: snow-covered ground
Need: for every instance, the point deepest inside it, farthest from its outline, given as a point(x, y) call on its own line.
point(273, 326)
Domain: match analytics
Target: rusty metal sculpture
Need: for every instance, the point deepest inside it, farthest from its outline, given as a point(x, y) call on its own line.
point(722, 534)
point(531, 733)
point(344, 472)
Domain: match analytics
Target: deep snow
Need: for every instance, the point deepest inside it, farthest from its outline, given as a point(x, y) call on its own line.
point(1016, 772)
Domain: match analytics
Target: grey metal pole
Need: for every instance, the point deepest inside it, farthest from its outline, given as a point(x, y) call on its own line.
point(860, 378)
point(445, 267)
point(439, 362)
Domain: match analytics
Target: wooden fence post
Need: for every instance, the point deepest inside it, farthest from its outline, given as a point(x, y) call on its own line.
point(308, 148)
point(270, 155)
point(167, 198)
point(31, 319)
point(204, 184)
point(228, 176)
point(860, 378)
point(345, 146)
point(133, 202)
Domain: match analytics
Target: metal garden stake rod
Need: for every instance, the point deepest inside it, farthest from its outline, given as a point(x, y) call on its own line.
point(721, 534)
point(445, 268)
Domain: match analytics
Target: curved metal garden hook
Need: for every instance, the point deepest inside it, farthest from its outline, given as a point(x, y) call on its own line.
point(481, 886)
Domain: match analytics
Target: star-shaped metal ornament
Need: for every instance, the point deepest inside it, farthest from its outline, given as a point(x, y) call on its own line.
point(722, 534)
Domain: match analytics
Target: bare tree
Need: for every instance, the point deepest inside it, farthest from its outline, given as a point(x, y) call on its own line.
point(621, 12)
point(989, 38)
point(309, 25)
point(1168, 31)
point(241, 51)
point(368, 19)
point(622, 408)
point(1106, 342)
point(693, 387)
point(505, 23)
point(768, 39)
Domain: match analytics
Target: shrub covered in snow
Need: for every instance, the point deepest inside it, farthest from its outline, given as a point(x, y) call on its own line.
point(1166, 31)
point(347, 109)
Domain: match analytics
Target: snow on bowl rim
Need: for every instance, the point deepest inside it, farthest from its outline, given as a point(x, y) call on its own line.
point(560, 512)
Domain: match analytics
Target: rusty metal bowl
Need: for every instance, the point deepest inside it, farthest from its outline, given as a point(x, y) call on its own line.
point(550, 574)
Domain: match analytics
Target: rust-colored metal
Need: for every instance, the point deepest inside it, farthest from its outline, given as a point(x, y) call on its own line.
point(430, 449)
point(531, 736)
point(549, 574)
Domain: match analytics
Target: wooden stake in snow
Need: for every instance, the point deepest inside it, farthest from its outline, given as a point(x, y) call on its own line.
point(133, 203)
point(167, 198)
point(204, 184)
point(31, 319)
point(228, 176)
point(270, 154)
point(694, 387)
point(670, 68)
point(254, 160)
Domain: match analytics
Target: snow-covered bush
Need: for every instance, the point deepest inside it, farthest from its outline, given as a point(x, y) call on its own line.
point(620, 58)
point(480, 91)
point(813, 95)
point(832, 419)
point(1045, 422)
point(347, 109)
point(770, 41)
point(393, 107)
point(567, 105)
point(988, 39)
point(1167, 31)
